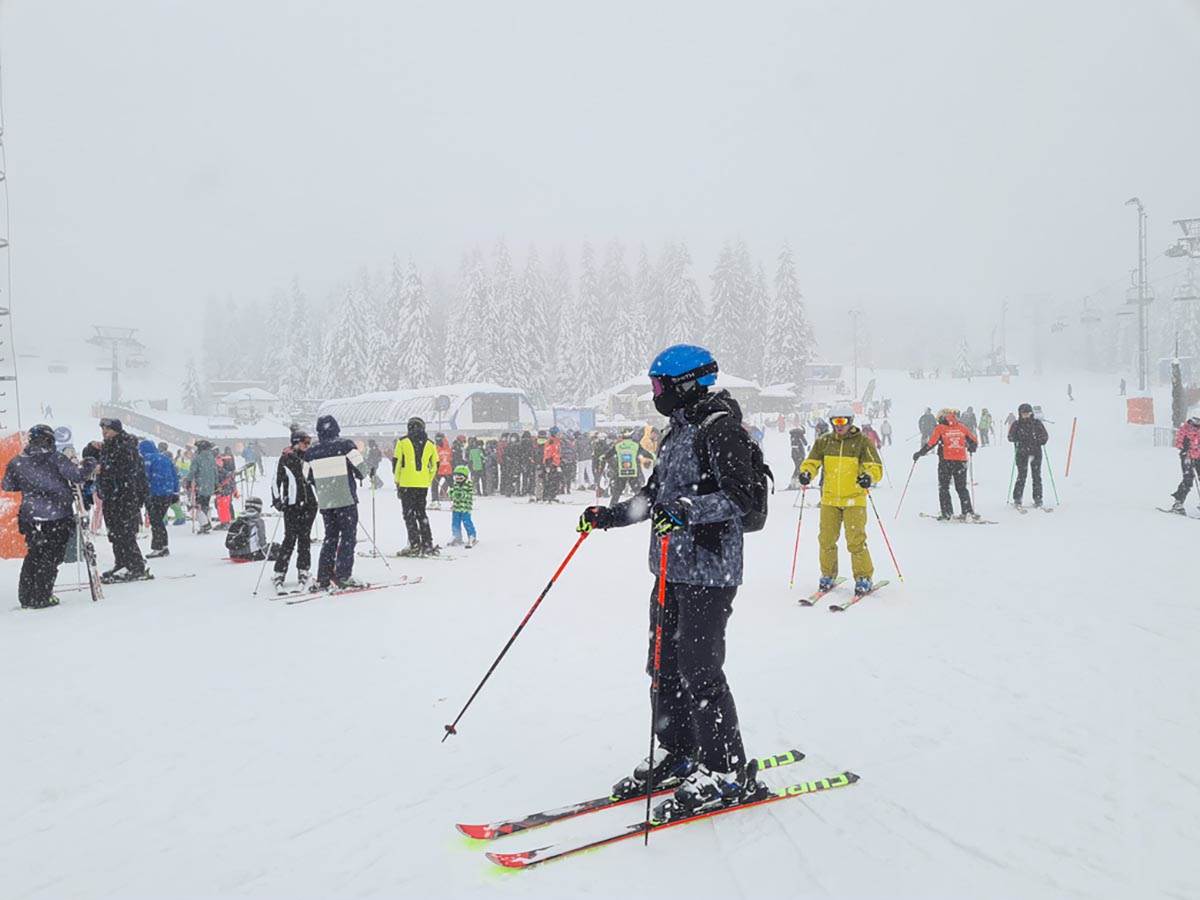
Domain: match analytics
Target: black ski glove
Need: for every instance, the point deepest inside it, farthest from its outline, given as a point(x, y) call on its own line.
point(805, 478)
point(864, 480)
point(918, 455)
point(670, 515)
point(595, 517)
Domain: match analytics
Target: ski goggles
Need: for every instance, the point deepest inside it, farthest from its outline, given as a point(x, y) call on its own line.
point(660, 384)
point(839, 421)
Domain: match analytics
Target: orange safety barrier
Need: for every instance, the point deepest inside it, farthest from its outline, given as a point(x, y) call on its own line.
point(12, 543)
point(1139, 410)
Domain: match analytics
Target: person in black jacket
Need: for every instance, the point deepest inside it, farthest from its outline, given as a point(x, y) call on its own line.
point(293, 496)
point(1028, 434)
point(45, 479)
point(123, 489)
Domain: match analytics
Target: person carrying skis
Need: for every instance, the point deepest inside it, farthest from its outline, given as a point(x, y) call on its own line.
point(852, 464)
point(202, 482)
point(697, 494)
point(46, 480)
point(462, 499)
point(926, 424)
point(1027, 434)
point(121, 485)
point(955, 443)
point(416, 467)
point(293, 497)
point(335, 466)
point(1187, 442)
point(246, 539)
point(163, 482)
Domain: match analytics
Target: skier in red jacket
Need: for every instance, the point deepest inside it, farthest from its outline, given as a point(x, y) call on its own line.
point(955, 443)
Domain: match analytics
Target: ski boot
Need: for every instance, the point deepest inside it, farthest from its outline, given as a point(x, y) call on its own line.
point(158, 554)
point(456, 542)
point(349, 584)
point(863, 586)
point(204, 529)
point(705, 790)
point(826, 583)
point(51, 601)
point(431, 550)
point(1017, 504)
point(943, 517)
point(410, 551)
point(319, 587)
point(302, 576)
point(668, 771)
point(1177, 507)
point(117, 576)
point(471, 542)
point(277, 582)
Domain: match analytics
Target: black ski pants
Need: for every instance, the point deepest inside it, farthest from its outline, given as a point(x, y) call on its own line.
point(297, 534)
point(337, 552)
point(1191, 467)
point(618, 488)
point(416, 520)
point(1029, 458)
point(121, 522)
point(46, 543)
point(156, 509)
point(696, 712)
point(956, 470)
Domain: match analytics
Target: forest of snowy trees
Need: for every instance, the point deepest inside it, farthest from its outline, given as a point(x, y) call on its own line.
point(559, 331)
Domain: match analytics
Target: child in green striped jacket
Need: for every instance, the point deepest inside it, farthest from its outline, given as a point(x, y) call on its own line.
point(462, 499)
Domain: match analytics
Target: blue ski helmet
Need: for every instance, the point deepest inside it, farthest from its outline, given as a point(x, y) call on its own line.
point(683, 360)
point(679, 374)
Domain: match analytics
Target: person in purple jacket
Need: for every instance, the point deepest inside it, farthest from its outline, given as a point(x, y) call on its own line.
point(45, 480)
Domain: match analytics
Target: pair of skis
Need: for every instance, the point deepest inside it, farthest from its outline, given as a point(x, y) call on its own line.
point(88, 549)
point(959, 520)
point(528, 858)
point(815, 596)
point(304, 596)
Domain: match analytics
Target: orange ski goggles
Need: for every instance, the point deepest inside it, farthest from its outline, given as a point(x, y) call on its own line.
point(839, 421)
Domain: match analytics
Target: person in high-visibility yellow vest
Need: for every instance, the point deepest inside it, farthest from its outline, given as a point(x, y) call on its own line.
point(416, 465)
point(625, 468)
point(851, 465)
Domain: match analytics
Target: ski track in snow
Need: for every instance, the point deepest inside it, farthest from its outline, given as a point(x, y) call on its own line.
point(1024, 709)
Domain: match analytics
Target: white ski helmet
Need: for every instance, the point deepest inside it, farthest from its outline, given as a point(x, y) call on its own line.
point(841, 411)
point(1194, 415)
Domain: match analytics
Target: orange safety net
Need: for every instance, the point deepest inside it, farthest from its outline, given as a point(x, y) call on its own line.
point(12, 544)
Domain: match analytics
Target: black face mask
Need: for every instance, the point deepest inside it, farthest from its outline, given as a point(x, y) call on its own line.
point(675, 396)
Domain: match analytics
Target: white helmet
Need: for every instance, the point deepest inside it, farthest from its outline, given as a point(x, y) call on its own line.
point(1194, 415)
point(841, 411)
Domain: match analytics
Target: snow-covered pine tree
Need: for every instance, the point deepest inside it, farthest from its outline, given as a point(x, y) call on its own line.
point(346, 362)
point(295, 381)
point(391, 328)
point(790, 343)
point(627, 337)
point(647, 305)
point(564, 326)
point(535, 325)
point(500, 330)
point(962, 360)
point(274, 337)
point(192, 394)
point(440, 293)
point(377, 356)
point(415, 343)
point(757, 319)
point(730, 291)
point(683, 307)
point(591, 353)
point(462, 343)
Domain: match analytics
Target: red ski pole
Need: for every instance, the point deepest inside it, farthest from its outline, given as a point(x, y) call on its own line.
point(885, 537)
point(451, 728)
point(905, 491)
point(796, 548)
point(658, 628)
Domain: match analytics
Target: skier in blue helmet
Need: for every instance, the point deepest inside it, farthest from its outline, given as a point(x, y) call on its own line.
point(699, 490)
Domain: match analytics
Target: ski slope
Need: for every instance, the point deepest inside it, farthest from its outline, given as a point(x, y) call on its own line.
point(1023, 709)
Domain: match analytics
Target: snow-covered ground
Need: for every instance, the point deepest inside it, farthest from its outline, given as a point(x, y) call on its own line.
point(1023, 709)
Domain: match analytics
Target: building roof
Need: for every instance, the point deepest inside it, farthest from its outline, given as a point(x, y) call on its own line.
point(254, 393)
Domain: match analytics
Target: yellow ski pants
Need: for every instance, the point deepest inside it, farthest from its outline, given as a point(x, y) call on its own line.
point(854, 518)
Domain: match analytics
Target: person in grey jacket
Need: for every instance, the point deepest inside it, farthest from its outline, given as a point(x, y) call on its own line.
point(202, 482)
point(45, 479)
point(699, 490)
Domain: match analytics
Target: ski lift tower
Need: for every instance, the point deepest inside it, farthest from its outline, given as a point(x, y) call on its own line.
point(1189, 246)
point(1142, 299)
point(8, 349)
point(115, 339)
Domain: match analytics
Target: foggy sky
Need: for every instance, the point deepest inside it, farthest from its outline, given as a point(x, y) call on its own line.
point(929, 157)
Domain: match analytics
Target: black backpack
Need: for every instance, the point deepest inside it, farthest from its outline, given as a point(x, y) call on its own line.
point(755, 518)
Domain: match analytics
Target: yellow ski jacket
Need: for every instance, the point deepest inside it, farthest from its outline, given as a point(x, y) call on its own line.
point(413, 472)
point(844, 459)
